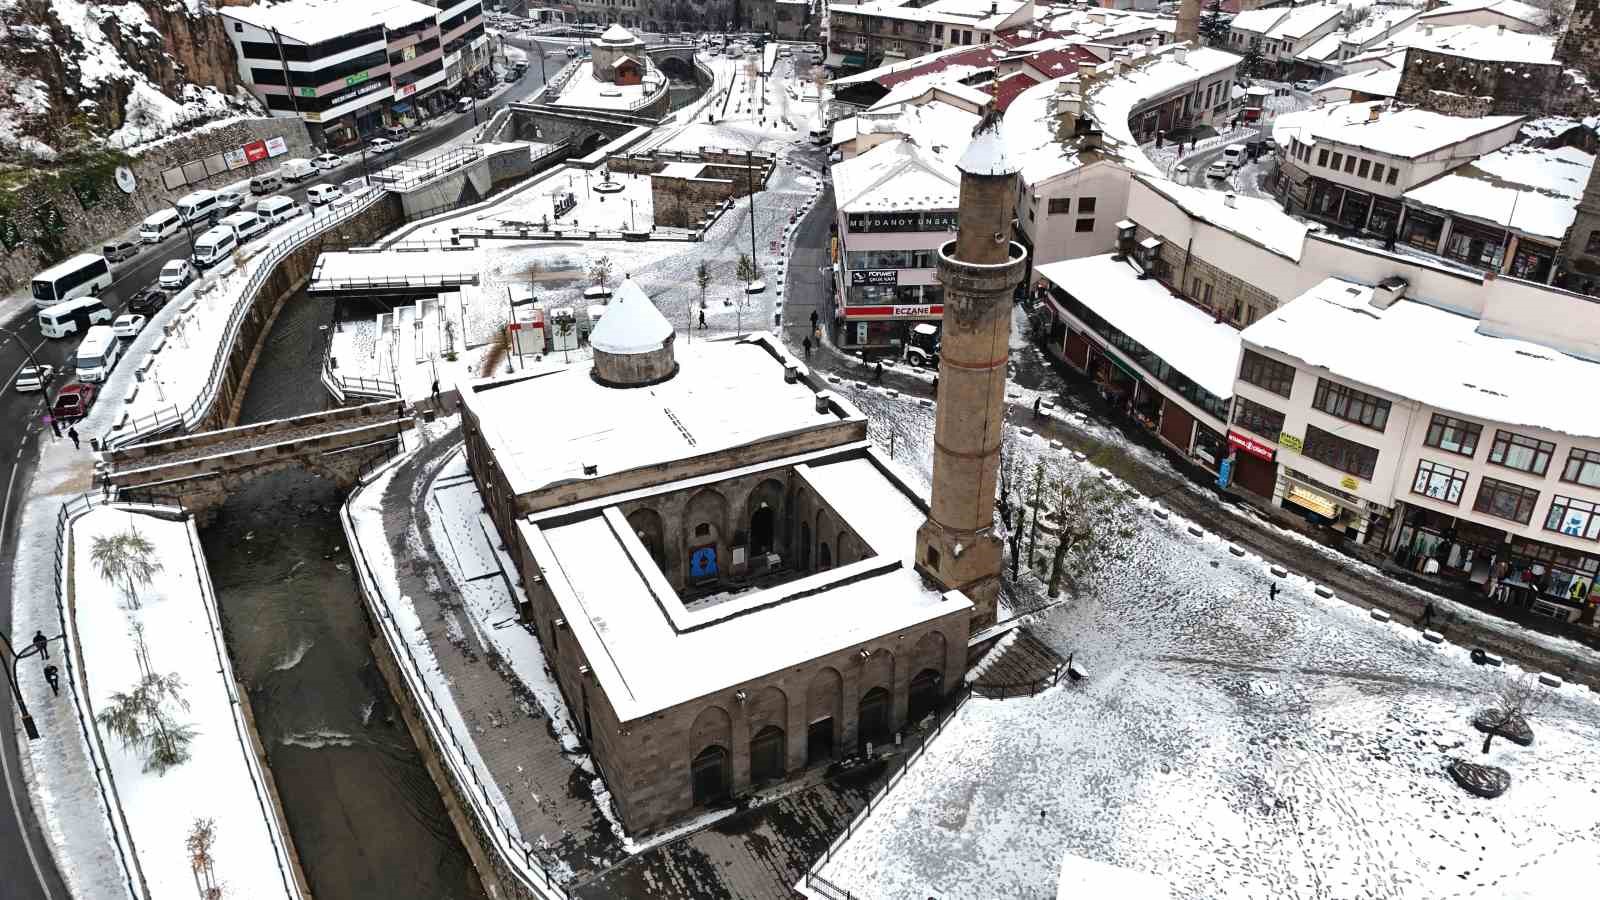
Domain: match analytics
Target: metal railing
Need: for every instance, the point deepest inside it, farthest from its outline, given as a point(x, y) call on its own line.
point(516, 854)
point(70, 510)
point(391, 282)
point(1020, 688)
point(343, 386)
point(408, 174)
point(148, 425)
point(828, 888)
point(266, 264)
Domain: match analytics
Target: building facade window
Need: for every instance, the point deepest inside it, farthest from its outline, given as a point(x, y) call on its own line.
point(1377, 171)
point(1453, 435)
point(1263, 420)
point(1060, 206)
point(1573, 518)
point(1520, 452)
point(1083, 226)
point(1338, 160)
point(1085, 205)
point(1506, 500)
point(1322, 157)
point(1268, 374)
point(1583, 467)
point(1352, 405)
point(1439, 482)
point(1340, 453)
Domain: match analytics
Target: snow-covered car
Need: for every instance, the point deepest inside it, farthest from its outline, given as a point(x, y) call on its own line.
point(30, 378)
point(322, 193)
point(127, 326)
point(230, 201)
point(1305, 84)
point(380, 145)
point(327, 161)
point(175, 274)
point(148, 301)
point(74, 401)
point(1219, 169)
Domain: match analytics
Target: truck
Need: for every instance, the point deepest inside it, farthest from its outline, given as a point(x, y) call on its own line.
point(922, 350)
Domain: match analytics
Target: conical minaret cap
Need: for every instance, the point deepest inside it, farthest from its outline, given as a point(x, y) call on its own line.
point(986, 154)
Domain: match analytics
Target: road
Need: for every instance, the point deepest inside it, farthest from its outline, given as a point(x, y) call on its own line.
point(27, 871)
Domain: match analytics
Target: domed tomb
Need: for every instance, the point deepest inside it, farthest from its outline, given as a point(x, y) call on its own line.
point(633, 342)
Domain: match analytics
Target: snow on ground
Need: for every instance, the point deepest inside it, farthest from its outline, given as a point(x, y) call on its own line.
point(221, 779)
point(1235, 745)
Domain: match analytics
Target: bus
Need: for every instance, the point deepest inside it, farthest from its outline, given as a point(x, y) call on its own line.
point(83, 274)
point(98, 353)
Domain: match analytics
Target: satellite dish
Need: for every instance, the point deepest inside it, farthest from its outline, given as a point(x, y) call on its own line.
point(125, 179)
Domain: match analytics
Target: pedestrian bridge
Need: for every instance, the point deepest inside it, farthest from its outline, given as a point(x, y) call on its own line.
point(199, 471)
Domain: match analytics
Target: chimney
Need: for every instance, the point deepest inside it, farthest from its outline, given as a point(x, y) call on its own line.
point(1086, 71)
point(1387, 292)
point(1500, 29)
point(1230, 200)
point(1428, 29)
point(1372, 113)
point(1188, 22)
point(1181, 54)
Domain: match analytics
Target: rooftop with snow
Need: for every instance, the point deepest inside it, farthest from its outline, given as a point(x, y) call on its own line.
point(1533, 190)
point(315, 21)
point(897, 174)
point(1433, 356)
point(1260, 221)
point(1407, 133)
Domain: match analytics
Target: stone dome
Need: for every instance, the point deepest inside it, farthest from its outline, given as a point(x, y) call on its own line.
point(633, 342)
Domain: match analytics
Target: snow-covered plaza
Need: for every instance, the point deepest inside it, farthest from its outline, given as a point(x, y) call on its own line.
point(1235, 744)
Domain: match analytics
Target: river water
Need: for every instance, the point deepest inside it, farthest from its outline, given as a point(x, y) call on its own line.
point(366, 818)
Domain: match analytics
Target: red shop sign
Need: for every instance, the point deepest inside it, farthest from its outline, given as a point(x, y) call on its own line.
point(255, 151)
point(1252, 446)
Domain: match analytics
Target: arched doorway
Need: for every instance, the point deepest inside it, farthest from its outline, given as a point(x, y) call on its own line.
point(924, 697)
point(824, 556)
point(872, 717)
point(711, 774)
point(762, 523)
point(805, 546)
point(766, 755)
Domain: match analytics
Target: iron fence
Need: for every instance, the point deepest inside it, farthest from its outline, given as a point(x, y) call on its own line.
point(413, 173)
point(388, 282)
point(148, 425)
point(1020, 688)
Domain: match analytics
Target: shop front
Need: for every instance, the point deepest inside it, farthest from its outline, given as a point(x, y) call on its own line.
point(1437, 543)
point(1550, 580)
point(1533, 261)
point(1323, 505)
point(883, 326)
point(1254, 464)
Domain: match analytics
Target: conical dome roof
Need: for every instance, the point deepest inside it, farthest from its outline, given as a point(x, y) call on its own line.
point(616, 34)
point(631, 323)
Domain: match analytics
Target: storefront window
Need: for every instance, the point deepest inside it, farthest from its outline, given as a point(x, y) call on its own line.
point(1532, 261)
point(1385, 216)
point(1422, 230)
point(890, 259)
point(1439, 482)
point(1475, 245)
point(1573, 517)
point(1353, 214)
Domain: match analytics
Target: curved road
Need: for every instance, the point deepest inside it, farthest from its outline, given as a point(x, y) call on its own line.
point(27, 871)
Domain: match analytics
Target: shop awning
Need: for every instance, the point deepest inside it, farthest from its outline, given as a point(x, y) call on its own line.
point(1313, 501)
point(855, 60)
point(1127, 370)
point(400, 108)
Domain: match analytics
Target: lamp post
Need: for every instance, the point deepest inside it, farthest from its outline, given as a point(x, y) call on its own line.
point(513, 327)
point(40, 648)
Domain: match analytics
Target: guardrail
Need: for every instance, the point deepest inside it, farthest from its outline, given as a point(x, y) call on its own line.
point(552, 88)
point(342, 387)
point(829, 889)
point(516, 854)
point(391, 282)
point(417, 173)
point(266, 263)
point(143, 426)
point(1020, 688)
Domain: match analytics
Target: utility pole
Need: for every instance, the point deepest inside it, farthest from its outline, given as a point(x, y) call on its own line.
point(40, 647)
point(750, 173)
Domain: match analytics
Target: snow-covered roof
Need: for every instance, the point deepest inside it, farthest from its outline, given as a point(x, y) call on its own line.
point(896, 174)
point(725, 395)
point(1083, 877)
point(1439, 358)
point(1406, 133)
point(649, 652)
point(315, 21)
point(1323, 48)
point(1372, 82)
point(1255, 219)
point(1546, 128)
point(1529, 189)
point(918, 88)
point(969, 59)
point(986, 153)
point(1189, 339)
point(631, 323)
point(616, 34)
point(1532, 16)
point(1480, 42)
point(1286, 23)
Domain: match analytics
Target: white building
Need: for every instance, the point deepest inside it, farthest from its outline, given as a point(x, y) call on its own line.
point(1282, 33)
point(1510, 14)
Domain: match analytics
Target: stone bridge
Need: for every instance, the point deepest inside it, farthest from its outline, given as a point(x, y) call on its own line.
point(200, 470)
point(680, 55)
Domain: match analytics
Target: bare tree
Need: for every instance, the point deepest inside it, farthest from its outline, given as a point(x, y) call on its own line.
point(202, 836)
point(747, 270)
point(1515, 699)
point(600, 271)
point(702, 279)
point(140, 718)
point(1091, 525)
point(499, 350)
point(127, 559)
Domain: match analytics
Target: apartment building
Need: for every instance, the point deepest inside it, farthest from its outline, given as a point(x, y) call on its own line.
point(864, 35)
point(1281, 33)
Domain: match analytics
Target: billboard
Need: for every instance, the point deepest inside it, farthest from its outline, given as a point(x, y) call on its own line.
point(255, 151)
point(277, 146)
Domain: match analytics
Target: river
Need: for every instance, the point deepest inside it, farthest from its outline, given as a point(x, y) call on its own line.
point(366, 818)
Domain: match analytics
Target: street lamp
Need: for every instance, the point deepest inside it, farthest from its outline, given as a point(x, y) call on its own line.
point(40, 648)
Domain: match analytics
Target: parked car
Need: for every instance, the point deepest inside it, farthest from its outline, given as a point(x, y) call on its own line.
point(74, 401)
point(381, 145)
point(464, 105)
point(278, 209)
point(511, 76)
point(396, 133)
point(572, 51)
point(119, 250)
point(229, 201)
point(148, 301)
point(1305, 85)
point(266, 182)
point(175, 274)
point(297, 170)
point(30, 378)
point(327, 162)
point(322, 193)
point(1219, 169)
point(127, 326)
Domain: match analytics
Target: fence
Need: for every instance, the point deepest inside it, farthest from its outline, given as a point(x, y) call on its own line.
point(266, 264)
point(342, 387)
point(516, 854)
point(409, 174)
point(144, 426)
point(827, 888)
point(70, 510)
point(1020, 688)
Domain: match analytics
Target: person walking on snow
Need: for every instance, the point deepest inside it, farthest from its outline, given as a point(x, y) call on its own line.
point(1427, 615)
point(813, 320)
point(702, 320)
point(41, 644)
point(1036, 402)
point(807, 344)
point(52, 677)
point(877, 372)
point(73, 433)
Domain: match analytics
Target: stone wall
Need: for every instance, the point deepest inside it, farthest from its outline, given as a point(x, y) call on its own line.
point(1240, 301)
point(683, 202)
point(112, 212)
point(1445, 83)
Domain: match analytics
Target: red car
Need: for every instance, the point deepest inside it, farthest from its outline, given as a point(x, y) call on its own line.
point(74, 401)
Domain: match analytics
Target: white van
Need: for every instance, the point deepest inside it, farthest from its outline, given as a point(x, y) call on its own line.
point(196, 207)
point(98, 353)
point(214, 246)
point(245, 225)
point(157, 227)
point(1234, 155)
point(322, 193)
point(297, 170)
point(72, 316)
point(266, 182)
point(279, 209)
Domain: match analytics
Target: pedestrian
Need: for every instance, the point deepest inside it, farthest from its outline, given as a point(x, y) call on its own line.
point(72, 432)
point(702, 320)
point(436, 392)
point(52, 677)
point(1036, 403)
point(1041, 816)
point(877, 372)
point(807, 344)
point(1427, 615)
point(41, 644)
point(935, 386)
point(1272, 591)
point(813, 320)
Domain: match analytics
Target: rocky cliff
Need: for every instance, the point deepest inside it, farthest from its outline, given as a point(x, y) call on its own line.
point(124, 71)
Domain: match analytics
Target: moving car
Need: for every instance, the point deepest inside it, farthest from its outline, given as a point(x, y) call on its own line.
point(322, 193)
point(1234, 155)
point(266, 182)
point(1219, 169)
point(197, 207)
point(396, 133)
point(34, 379)
point(175, 274)
point(117, 251)
point(245, 225)
point(98, 353)
point(1305, 84)
point(72, 317)
point(214, 246)
point(380, 145)
point(159, 226)
point(327, 162)
point(229, 201)
point(278, 209)
point(84, 274)
point(297, 170)
point(127, 326)
point(74, 401)
point(572, 51)
point(148, 301)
